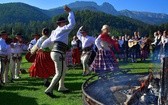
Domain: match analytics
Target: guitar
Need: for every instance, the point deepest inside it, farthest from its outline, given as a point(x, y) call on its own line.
point(132, 43)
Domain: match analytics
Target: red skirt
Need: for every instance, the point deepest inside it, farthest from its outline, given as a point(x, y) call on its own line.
point(76, 56)
point(43, 65)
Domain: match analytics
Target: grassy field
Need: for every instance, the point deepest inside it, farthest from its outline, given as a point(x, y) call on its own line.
point(30, 91)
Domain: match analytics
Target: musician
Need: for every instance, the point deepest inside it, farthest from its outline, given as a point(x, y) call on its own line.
point(3, 56)
point(75, 43)
point(164, 41)
point(121, 45)
point(125, 47)
point(43, 66)
point(59, 37)
point(145, 48)
point(133, 49)
point(87, 46)
point(137, 38)
point(16, 55)
point(105, 60)
point(33, 42)
point(7, 60)
point(156, 45)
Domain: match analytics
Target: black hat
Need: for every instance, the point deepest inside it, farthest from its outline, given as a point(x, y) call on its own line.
point(45, 31)
point(84, 29)
point(61, 20)
point(19, 34)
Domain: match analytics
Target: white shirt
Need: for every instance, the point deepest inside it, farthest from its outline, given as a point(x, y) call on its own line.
point(3, 47)
point(38, 44)
point(17, 48)
point(101, 44)
point(86, 41)
point(164, 40)
point(8, 51)
point(61, 33)
point(74, 43)
point(32, 43)
point(156, 39)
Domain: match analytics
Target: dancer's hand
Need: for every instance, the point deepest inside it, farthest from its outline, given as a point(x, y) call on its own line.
point(80, 27)
point(67, 9)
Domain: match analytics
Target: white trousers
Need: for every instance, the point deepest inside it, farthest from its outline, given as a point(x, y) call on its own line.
point(6, 71)
point(60, 67)
point(15, 67)
point(84, 60)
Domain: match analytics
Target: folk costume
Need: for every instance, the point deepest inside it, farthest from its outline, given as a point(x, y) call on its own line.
point(16, 58)
point(105, 60)
point(3, 57)
point(59, 39)
point(75, 51)
point(43, 66)
point(164, 41)
point(156, 46)
point(7, 60)
point(145, 48)
point(87, 46)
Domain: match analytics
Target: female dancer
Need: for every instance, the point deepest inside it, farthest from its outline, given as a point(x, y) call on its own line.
point(105, 60)
point(43, 66)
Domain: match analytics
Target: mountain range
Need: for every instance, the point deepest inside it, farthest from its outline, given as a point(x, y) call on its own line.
point(20, 12)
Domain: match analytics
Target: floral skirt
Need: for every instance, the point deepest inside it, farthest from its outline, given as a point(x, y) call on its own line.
point(43, 65)
point(105, 61)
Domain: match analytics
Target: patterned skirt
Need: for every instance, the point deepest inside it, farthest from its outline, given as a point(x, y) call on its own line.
point(105, 61)
point(43, 66)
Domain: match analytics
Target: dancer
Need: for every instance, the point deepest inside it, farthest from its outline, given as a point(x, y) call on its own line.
point(75, 51)
point(33, 42)
point(43, 66)
point(105, 60)
point(3, 56)
point(87, 46)
point(59, 37)
point(31, 57)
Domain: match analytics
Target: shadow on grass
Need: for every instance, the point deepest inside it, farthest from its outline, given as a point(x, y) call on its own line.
point(138, 62)
point(8, 98)
point(74, 86)
point(18, 87)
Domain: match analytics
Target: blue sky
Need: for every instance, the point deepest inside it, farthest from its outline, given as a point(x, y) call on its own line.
point(158, 6)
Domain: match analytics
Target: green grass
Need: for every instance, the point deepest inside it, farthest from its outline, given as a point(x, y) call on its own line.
point(30, 91)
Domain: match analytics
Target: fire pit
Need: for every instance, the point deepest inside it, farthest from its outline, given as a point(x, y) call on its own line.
point(121, 89)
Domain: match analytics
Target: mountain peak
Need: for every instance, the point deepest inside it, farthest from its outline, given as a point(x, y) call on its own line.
point(108, 8)
point(80, 4)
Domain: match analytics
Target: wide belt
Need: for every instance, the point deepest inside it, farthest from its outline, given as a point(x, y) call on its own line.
point(60, 46)
point(87, 48)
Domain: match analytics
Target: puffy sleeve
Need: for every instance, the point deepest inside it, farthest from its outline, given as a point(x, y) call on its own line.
point(71, 20)
point(47, 43)
point(97, 42)
point(79, 34)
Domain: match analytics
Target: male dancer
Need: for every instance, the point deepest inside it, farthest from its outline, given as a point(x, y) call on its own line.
point(87, 46)
point(16, 55)
point(3, 51)
point(59, 39)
